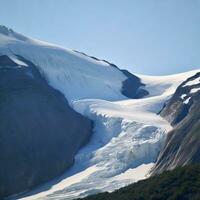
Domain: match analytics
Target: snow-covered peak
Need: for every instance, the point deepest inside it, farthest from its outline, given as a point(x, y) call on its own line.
point(5, 30)
point(75, 74)
point(8, 32)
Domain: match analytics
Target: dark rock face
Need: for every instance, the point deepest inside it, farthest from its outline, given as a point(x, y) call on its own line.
point(39, 132)
point(176, 110)
point(183, 143)
point(5, 61)
point(132, 86)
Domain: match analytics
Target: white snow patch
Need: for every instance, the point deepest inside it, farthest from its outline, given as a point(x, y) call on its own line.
point(187, 100)
point(17, 61)
point(194, 90)
point(138, 173)
point(183, 96)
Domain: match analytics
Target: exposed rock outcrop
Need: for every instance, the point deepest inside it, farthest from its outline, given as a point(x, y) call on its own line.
point(182, 146)
point(39, 132)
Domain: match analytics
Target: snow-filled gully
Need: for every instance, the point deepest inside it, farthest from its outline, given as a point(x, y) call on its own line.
point(122, 141)
point(128, 135)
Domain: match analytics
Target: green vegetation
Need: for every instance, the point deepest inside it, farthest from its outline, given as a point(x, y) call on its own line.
point(183, 183)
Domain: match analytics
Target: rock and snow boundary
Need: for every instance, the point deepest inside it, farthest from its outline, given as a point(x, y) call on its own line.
point(128, 133)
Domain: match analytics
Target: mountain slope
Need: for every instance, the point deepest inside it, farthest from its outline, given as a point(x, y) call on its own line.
point(127, 133)
point(39, 135)
point(183, 112)
point(42, 130)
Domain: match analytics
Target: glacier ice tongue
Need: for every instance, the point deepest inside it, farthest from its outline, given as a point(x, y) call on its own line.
point(128, 134)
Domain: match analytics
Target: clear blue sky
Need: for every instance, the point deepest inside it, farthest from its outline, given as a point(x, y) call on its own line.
point(144, 36)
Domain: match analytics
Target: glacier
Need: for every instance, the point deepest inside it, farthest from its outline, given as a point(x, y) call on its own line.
point(128, 133)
